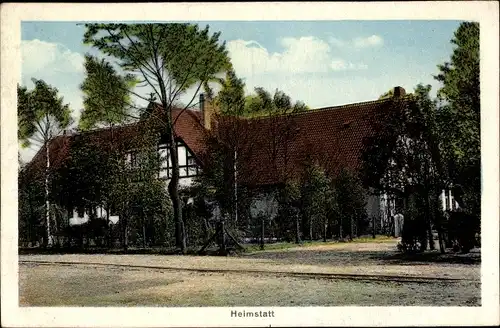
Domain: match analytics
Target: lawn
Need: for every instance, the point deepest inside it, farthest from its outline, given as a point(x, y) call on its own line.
point(255, 247)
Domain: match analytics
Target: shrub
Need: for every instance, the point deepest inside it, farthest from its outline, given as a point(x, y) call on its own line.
point(462, 229)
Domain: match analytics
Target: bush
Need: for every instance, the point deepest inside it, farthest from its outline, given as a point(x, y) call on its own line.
point(462, 230)
point(411, 241)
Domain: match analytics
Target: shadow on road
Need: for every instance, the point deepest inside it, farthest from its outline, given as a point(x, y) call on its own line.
point(368, 257)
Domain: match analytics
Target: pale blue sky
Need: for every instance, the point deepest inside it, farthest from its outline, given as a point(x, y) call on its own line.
point(322, 63)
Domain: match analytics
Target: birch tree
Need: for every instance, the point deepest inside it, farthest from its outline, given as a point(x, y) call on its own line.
point(169, 59)
point(42, 115)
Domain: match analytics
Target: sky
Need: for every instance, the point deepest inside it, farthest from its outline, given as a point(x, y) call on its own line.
point(322, 63)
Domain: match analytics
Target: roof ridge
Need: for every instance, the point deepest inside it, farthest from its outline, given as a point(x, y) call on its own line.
point(369, 102)
point(80, 132)
point(188, 111)
point(322, 109)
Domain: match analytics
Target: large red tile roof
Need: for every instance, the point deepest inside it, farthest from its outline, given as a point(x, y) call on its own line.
point(187, 127)
point(271, 148)
point(333, 137)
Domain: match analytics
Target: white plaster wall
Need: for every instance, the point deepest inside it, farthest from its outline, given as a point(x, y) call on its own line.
point(264, 204)
point(447, 200)
point(181, 151)
point(101, 213)
point(373, 206)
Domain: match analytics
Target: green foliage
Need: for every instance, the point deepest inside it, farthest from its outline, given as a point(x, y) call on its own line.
point(98, 174)
point(326, 206)
point(41, 113)
point(169, 57)
point(387, 95)
point(289, 197)
point(231, 98)
point(263, 103)
point(30, 208)
point(462, 229)
point(400, 155)
point(106, 97)
point(316, 195)
point(404, 159)
point(349, 208)
point(459, 118)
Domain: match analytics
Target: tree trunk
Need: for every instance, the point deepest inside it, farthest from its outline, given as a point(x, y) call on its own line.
point(341, 234)
point(262, 233)
point(325, 228)
point(311, 229)
point(143, 232)
point(352, 228)
point(373, 227)
point(173, 189)
point(431, 237)
point(442, 248)
point(222, 238)
point(235, 189)
point(439, 222)
point(47, 195)
point(206, 229)
point(429, 223)
point(297, 229)
point(31, 218)
point(124, 229)
point(108, 227)
point(125, 234)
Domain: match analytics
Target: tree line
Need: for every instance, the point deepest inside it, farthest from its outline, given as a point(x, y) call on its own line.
point(428, 146)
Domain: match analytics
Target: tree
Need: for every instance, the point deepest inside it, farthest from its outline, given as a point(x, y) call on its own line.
point(387, 95)
point(42, 116)
point(263, 103)
point(107, 95)
point(103, 172)
point(230, 100)
point(316, 194)
point(459, 117)
point(227, 152)
point(169, 58)
point(289, 205)
point(349, 208)
point(30, 208)
point(403, 157)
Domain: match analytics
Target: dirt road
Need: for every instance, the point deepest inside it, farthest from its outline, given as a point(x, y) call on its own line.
point(338, 274)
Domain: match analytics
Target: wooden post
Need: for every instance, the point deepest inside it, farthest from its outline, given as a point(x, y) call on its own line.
point(373, 227)
point(223, 238)
point(297, 230)
point(262, 234)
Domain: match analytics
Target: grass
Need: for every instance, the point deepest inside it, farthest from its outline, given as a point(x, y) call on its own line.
point(193, 250)
point(251, 248)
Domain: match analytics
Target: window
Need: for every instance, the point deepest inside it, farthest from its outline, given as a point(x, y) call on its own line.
point(191, 168)
point(187, 162)
point(165, 162)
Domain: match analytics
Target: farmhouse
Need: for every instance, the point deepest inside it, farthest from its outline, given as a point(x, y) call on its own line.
point(268, 149)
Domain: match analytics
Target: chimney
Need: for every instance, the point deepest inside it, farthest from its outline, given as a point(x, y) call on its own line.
point(207, 110)
point(202, 108)
point(399, 92)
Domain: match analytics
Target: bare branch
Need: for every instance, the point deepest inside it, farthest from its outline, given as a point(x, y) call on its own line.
point(176, 93)
point(189, 104)
point(145, 64)
point(138, 62)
